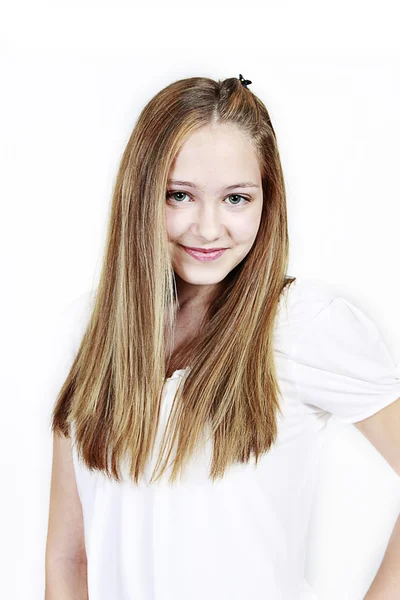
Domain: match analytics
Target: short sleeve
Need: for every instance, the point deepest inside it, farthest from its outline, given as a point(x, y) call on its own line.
point(343, 365)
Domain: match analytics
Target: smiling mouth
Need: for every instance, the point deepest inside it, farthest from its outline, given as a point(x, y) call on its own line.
point(205, 250)
point(203, 255)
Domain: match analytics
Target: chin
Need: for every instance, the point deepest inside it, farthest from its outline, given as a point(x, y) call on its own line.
point(213, 275)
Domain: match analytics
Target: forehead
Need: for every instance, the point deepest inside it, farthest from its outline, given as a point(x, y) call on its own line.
point(216, 154)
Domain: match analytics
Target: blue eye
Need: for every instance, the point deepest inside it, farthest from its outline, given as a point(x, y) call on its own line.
point(239, 196)
point(171, 194)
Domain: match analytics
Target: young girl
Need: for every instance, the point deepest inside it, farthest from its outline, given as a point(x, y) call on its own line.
point(200, 375)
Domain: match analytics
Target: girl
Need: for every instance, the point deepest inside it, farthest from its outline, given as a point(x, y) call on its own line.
point(200, 375)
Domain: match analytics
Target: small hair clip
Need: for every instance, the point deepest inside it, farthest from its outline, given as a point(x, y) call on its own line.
point(244, 82)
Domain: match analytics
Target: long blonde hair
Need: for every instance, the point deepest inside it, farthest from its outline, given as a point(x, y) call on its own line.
point(112, 394)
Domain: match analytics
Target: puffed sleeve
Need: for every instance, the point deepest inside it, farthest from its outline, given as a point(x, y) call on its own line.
point(343, 365)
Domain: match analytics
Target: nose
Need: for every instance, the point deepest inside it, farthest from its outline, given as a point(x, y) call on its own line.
point(208, 223)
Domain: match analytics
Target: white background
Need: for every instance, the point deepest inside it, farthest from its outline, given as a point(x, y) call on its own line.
point(73, 80)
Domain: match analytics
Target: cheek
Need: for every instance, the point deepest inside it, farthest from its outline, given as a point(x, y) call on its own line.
point(174, 225)
point(245, 231)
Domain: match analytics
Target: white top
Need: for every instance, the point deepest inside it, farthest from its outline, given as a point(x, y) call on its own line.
point(244, 536)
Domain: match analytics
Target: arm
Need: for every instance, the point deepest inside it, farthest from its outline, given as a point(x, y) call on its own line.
point(65, 561)
point(386, 585)
point(383, 431)
point(66, 580)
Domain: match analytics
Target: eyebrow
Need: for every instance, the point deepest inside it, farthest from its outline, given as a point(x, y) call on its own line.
point(241, 184)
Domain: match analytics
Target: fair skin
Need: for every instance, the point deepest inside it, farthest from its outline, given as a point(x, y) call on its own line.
point(65, 558)
point(208, 215)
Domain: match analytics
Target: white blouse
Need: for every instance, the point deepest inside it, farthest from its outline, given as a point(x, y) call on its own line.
point(244, 536)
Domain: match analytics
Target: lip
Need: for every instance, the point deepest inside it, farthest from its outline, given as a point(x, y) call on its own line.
point(204, 255)
point(203, 249)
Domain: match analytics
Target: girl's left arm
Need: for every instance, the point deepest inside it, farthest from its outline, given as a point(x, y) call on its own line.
point(383, 431)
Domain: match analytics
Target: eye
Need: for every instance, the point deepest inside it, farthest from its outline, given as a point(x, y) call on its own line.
point(171, 194)
point(239, 196)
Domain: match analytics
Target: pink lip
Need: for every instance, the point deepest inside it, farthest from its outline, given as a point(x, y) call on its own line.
point(204, 255)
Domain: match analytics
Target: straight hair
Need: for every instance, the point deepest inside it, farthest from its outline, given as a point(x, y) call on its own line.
point(109, 404)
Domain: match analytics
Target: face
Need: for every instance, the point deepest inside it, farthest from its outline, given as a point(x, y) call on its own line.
point(214, 200)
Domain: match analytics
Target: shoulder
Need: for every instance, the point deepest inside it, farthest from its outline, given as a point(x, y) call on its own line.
point(302, 301)
point(317, 319)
